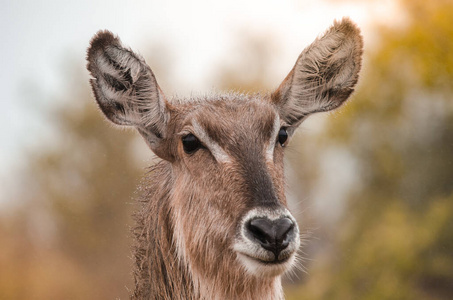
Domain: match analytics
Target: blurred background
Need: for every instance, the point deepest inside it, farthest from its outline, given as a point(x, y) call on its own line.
point(371, 184)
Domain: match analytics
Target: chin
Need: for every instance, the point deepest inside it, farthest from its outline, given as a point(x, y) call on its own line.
point(266, 268)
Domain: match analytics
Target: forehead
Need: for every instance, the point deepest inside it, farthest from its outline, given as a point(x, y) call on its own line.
point(232, 117)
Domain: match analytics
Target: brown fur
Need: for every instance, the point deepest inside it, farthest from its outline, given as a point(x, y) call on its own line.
point(172, 194)
point(191, 237)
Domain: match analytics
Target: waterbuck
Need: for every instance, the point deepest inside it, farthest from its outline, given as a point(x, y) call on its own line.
point(213, 222)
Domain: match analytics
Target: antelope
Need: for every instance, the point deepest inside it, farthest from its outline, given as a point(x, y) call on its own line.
point(213, 221)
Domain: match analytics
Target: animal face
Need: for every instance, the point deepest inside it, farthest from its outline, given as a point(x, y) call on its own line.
point(228, 208)
point(229, 196)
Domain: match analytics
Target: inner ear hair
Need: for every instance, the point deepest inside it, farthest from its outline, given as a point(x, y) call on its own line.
point(126, 89)
point(324, 75)
point(124, 86)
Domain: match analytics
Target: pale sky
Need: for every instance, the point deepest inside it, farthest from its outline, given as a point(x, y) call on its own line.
point(40, 38)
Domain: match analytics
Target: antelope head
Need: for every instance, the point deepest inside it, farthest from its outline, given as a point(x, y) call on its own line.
point(227, 210)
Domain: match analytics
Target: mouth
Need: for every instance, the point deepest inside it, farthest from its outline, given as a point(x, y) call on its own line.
point(275, 261)
point(263, 267)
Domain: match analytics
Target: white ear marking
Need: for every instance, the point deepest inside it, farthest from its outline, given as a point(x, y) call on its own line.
point(324, 75)
point(126, 90)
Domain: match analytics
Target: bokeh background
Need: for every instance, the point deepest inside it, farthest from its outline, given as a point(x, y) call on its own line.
point(371, 184)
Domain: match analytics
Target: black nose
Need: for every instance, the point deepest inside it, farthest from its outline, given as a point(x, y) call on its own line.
point(272, 235)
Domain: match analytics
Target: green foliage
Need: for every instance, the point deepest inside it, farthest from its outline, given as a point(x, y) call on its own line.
point(396, 240)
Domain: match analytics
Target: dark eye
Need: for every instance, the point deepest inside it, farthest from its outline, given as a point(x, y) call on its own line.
point(282, 136)
point(190, 143)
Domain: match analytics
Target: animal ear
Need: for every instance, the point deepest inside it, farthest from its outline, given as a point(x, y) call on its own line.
point(125, 88)
point(324, 75)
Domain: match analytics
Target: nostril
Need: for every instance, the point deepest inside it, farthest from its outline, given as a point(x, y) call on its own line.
point(262, 230)
point(283, 226)
point(272, 235)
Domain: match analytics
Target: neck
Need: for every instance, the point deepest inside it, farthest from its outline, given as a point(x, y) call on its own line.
point(161, 274)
